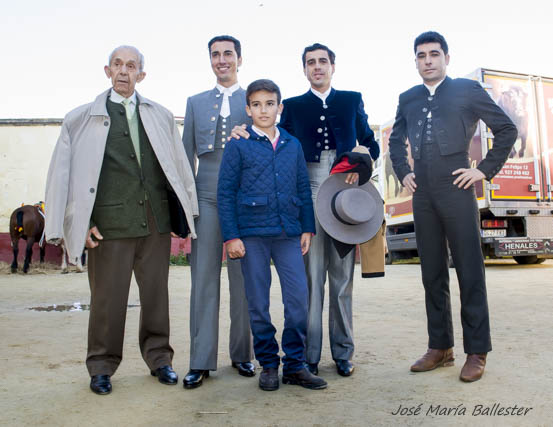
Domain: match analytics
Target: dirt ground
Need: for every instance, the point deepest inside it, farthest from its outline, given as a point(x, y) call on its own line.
point(45, 382)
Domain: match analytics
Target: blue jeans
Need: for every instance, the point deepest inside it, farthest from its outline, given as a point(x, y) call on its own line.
point(256, 269)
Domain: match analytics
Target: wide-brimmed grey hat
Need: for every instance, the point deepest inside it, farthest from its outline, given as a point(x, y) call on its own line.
point(349, 213)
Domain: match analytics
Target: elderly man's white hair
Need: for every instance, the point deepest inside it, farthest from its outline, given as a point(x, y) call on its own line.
point(135, 50)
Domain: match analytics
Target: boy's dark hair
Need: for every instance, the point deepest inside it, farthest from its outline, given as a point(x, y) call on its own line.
point(317, 46)
point(224, 38)
point(262, 84)
point(431, 37)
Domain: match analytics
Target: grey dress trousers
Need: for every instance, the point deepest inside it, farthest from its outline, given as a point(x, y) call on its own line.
point(204, 137)
point(322, 258)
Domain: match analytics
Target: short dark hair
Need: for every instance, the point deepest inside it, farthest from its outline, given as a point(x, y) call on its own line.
point(262, 84)
point(318, 46)
point(224, 38)
point(431, 37)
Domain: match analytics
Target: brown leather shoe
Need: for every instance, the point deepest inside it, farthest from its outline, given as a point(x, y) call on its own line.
point(433, 359)
point(473, 368)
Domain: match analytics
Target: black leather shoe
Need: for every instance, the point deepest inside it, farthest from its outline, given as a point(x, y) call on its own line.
point(344, 367)
point(313, 368)
point(100, 384)
point(268, 379)
point(305, 379)
point(246, 369)
point(194, 378)
point(165, 375)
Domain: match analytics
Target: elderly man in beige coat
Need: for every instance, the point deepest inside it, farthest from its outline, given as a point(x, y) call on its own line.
point(107, 188)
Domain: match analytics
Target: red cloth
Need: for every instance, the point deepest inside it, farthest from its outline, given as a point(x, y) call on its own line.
point(342, 167)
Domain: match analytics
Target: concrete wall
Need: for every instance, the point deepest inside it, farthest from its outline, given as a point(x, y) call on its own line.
point(26, 149)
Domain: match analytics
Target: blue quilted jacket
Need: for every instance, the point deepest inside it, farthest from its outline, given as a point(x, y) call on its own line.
point(263, 192)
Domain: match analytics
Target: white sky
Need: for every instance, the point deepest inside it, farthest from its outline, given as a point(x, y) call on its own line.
point(53, 52)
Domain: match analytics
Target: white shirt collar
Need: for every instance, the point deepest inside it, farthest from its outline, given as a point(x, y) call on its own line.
point(261, 133)
point(115, 97)
point(228, 90)
point(321, 95)
point(432, 89)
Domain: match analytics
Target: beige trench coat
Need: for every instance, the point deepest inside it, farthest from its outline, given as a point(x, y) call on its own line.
point(77, 160)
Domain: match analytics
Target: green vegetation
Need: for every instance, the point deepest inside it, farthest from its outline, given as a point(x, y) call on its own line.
point(180, 259)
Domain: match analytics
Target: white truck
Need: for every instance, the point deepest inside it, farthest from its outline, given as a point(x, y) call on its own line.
point(516, 207)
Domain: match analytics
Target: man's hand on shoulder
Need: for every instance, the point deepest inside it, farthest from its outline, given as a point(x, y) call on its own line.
point(409, 182)
point(467, 177)
point(239, 132)
point(93, 232)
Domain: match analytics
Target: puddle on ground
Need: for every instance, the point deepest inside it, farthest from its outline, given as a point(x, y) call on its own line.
point(76, 306)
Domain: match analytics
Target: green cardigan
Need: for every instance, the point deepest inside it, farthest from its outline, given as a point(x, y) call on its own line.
point(125, 187)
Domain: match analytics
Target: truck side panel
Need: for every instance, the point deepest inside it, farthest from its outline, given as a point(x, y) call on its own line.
point(544, 90)
point(519, 179)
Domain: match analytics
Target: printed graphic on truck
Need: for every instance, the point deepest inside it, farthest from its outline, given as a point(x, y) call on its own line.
point(523, 246)
point(519, 179)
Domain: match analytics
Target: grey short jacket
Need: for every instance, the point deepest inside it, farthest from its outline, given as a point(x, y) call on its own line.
point(200, 121)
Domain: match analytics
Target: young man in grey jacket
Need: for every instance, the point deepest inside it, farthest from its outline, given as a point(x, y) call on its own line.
point(210, 116)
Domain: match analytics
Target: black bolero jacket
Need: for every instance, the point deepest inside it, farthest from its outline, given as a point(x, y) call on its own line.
point(456, 107)
point(304, 115)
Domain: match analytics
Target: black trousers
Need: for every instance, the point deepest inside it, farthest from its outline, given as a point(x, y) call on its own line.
point(443, 214)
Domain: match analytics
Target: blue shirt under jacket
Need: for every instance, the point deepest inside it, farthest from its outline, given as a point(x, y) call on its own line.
point(264, 191)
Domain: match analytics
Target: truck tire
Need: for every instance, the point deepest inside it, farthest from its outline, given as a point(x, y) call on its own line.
point(528, 259)
point(389, 258)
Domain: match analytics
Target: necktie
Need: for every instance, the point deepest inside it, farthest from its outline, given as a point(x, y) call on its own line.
point(132, 120)
point(128, 108)
point(225, 106)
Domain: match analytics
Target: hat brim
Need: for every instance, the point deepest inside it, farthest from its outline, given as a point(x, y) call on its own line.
point(350, 234)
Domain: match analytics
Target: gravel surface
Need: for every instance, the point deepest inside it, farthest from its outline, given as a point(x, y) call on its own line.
point(45, 382)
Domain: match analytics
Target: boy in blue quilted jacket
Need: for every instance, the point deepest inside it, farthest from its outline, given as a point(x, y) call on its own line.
point(266, 212)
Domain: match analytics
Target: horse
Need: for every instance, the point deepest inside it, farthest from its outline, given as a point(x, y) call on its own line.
point(27, 222)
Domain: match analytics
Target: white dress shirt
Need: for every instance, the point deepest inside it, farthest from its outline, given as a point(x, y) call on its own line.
point(261, 133)
point(432, 90)
point(322, 95)
point(115, 97)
